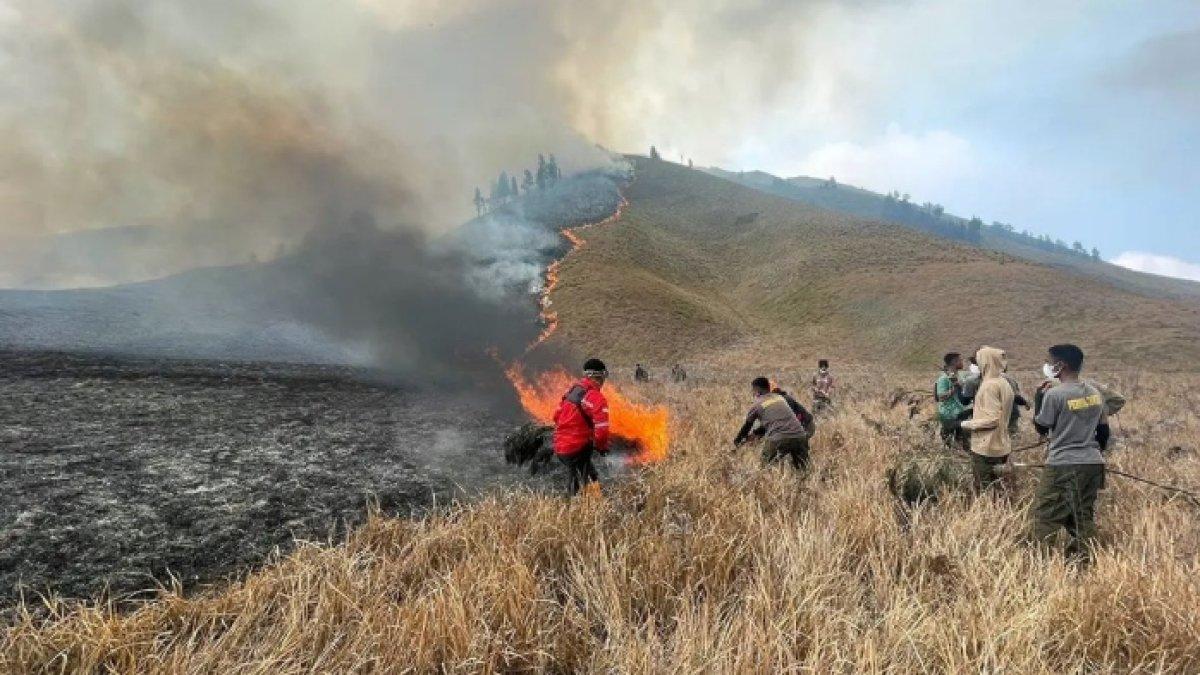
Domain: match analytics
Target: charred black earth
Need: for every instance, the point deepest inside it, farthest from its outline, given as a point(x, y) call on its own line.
point(118, 473)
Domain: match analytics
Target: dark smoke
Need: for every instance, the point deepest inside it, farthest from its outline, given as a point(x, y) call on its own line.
point(339, 148)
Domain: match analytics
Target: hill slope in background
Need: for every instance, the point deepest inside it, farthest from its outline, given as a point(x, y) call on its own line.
point(860, 203)
point(699, 265)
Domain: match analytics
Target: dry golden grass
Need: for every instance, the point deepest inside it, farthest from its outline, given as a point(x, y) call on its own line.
point(706, 563)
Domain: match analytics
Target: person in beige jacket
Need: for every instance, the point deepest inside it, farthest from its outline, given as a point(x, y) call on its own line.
point(990, 442)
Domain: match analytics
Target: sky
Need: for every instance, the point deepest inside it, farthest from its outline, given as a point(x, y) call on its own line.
point(261, 119)
point(1076, 119)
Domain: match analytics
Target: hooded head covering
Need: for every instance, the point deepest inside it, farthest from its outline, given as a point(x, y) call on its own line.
point(991, 361)
point(993, 406)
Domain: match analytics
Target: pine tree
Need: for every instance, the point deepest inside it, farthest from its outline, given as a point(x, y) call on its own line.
point(541, 172)
point(513, 191)
point(502, 186)
point(974, 227)
point(478, 202)
point(527, 182)
point(653, 152)
point(552, 171)
point(1095, 253)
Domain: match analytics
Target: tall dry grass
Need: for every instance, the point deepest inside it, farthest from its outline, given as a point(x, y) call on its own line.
point(706, 563)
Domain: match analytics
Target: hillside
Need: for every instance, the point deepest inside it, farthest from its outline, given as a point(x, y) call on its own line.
point(860, 203)
point(699, 265)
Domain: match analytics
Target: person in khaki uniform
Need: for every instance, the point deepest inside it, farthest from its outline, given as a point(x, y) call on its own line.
point(783, 432)
point(1072, 415)
point(990, 442)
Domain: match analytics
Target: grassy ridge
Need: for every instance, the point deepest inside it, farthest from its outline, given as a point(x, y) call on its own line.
point(699, 265)
point(706, 563)
point(868, 205)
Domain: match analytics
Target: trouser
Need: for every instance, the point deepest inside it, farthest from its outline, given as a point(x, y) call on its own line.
point(983, 468)
point(795, 448)
point(580, 470)
point(1066, 497)
point(953, 432)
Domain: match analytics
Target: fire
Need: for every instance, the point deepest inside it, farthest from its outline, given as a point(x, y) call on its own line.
point(646, 426)
point(549, 316)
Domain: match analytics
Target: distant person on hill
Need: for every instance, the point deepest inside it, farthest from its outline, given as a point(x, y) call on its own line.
point(782, 431)
point(822, 388)
point(1072, 415)
point(640, 374)
point(988, 426)
point(678, 374)
point(951, 410)
point(581, 426)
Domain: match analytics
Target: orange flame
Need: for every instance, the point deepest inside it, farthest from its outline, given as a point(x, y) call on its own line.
point(644, 425)
point(549, 316)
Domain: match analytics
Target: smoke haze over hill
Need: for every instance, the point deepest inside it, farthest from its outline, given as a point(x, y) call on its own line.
point(239, 126)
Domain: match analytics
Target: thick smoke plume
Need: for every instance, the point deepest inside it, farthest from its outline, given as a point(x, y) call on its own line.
point(234, 129)
point(334, 142)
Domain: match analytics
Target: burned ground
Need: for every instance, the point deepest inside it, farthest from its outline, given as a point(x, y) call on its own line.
point(119, 473)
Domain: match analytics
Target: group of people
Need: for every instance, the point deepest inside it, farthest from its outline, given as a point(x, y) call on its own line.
point(978, 405)
point(784, 425)
point(978, 408)
point(581, 423)
point(640, 374)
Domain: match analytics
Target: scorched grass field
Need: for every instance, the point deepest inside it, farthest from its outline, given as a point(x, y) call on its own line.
point(708, 562)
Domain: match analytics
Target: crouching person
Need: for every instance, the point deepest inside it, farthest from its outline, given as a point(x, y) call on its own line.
point(581, 426)
point(1072, 414)
point(990, 442)
point(782, 431)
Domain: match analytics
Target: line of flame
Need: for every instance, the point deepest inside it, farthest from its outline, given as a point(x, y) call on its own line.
point(571, 234)
point(646, 426)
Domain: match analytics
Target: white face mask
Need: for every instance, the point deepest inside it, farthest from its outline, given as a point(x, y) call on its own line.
point(974, 369)
point(1049, 371)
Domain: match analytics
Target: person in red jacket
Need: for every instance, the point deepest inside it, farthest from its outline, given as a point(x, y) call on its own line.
point(581, 426)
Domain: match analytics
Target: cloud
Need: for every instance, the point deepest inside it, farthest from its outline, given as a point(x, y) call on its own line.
point(1164, 265)
point(1165, 66)
point(921, 164)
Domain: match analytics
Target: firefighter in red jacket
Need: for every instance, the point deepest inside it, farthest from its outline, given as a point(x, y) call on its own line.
point(581, 426)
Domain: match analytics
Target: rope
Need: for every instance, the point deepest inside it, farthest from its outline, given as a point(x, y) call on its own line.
point(1029, 447)
point(1192, 495)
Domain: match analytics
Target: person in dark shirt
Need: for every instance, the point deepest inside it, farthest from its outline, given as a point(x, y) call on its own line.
point(781, 430)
